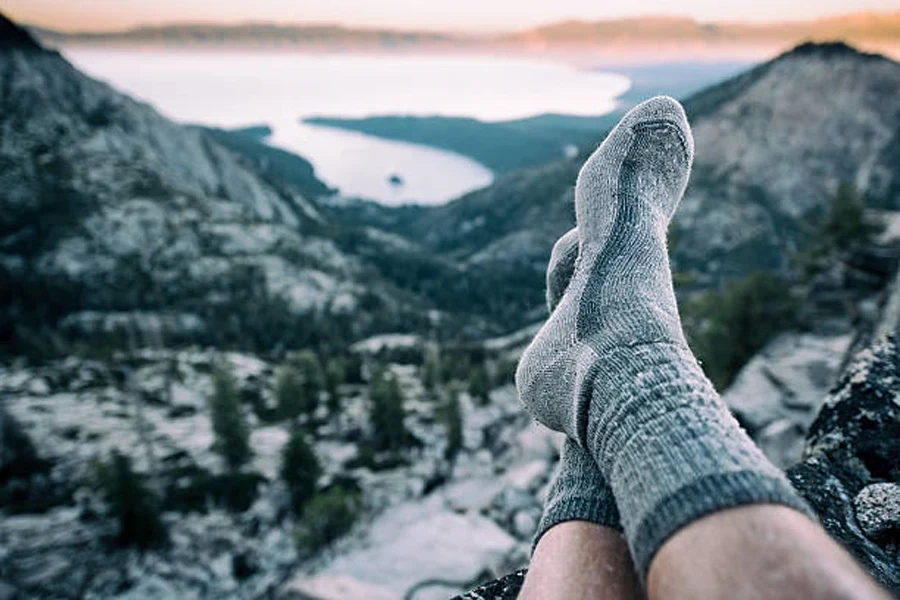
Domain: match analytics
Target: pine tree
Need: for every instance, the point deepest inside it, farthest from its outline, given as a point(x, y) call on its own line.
point(450, 367)
point(289, 393)
point(334, 378)
point(313, 379)
point(387, 411)
point(299, 385)
point(353, 368)
point(431, 370)
point(453, 421)
point(480, 385)
point(846, 224)
point(228, 424)
point(134, 507)
point(300, 469)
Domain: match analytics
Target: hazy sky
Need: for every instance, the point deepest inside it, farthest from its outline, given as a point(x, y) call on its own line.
point(483, 15)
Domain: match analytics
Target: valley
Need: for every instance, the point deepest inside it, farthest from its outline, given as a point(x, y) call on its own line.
point(221, 378)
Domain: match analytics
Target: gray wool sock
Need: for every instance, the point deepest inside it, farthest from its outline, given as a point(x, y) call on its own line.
point(611, 366)
point(579, 492)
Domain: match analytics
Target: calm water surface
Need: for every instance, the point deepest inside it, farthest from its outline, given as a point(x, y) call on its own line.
point(231, 89)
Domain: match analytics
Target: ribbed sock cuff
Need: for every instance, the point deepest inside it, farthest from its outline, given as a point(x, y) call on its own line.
point(702, 497)
point(599, 509)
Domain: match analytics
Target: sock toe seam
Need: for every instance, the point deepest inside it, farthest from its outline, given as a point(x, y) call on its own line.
point(668, 123)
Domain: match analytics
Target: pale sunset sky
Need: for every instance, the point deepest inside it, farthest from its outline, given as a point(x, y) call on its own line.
point(459, 15)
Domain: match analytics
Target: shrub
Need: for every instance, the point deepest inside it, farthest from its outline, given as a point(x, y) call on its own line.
point(327, 517)
point(263, 411)
point(236, 491)
point(24, 484)
point(726, 328)
point(454, 366)
point(187, 489)
point(334, 378)
point(367, 458)
point(844, 226)
point(244, 565)
point(506, 371)
point(300, 469)
point(134, 506)
point(194, 490)
point(353, 368)
point(228, 423)
point(18, 457)
point(289, 393)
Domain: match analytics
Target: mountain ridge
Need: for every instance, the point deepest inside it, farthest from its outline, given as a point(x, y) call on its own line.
point(13, 36)
point(872, 28)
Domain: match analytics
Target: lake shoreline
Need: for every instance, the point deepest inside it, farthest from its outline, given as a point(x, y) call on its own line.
point(505, 146)
point(464, 119)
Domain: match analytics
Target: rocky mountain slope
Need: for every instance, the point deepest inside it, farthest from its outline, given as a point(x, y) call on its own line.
point(762, 171)
point(772, 146)
point(132, 223)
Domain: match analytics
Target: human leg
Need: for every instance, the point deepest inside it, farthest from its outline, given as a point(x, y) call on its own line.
point(757, 552)
point(612, 368)
point(579, 550)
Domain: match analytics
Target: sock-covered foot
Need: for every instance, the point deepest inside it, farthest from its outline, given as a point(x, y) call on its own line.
point(611, 366)
point(579, 492)
point(620, 293)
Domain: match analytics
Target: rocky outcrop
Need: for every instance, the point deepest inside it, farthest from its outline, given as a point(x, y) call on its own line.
point(851, 470)
point(777, 395)
point(109, 208)
point(850, 473)
point(765, 160)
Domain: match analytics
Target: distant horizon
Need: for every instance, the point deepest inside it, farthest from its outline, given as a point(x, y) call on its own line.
point(110, 20)
point(351, 26)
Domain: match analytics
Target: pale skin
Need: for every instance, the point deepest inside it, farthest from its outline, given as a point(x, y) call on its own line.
point(756, 552)
point(577, 559)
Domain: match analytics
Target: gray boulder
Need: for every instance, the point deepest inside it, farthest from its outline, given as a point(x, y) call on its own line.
point(878, 509)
